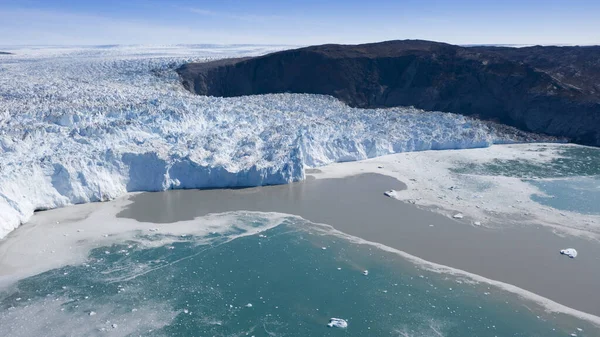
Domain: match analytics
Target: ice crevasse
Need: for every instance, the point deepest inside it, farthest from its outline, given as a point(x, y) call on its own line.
point(96, 125)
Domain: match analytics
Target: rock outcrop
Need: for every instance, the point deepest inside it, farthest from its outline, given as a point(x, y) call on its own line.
point(550, 90)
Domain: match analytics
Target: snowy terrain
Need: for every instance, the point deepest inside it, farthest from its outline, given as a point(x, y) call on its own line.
point(88, 124)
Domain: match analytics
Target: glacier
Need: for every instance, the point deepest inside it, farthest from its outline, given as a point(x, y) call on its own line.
point(85, 124)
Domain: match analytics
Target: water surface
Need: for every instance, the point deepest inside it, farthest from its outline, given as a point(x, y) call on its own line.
point(286, 281)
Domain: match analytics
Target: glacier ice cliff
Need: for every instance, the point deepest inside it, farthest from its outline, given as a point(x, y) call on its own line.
point(89, 124)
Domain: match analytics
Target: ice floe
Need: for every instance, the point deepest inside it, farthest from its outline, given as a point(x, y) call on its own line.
point(570, 252)
point(337, 323)
point(390, 193)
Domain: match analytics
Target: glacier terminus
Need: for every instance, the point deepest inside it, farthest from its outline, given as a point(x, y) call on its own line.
point(85, 124)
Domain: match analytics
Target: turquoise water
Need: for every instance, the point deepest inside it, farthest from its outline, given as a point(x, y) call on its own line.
point(570, 182)
point(580, 194)
point(282, 282)
point(572, 161)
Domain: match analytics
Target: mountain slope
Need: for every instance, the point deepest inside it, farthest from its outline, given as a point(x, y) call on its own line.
point(551, 90)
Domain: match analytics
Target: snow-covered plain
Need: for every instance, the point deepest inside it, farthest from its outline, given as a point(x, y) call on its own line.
point(83, 124)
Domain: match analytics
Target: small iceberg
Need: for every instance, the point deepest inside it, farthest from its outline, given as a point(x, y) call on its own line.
point(337, 323)
point(366, 272)
point(390, 193)
point(570, 252)
point(458, 216)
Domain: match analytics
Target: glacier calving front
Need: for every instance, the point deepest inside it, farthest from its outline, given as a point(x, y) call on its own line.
point(89, 124)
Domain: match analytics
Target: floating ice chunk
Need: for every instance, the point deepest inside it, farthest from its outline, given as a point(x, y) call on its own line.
point(390, 193)
point(477, 223)
point(570, 252)
point(92, 313)
point(458, 216)
point(366, 272)
point(324, 248)
point(185, 311)
point(114, 325)
point(339, 268)
point(337, 323)
point(249, 305)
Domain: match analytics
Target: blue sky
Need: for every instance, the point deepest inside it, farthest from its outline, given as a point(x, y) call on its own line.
point(70, 22)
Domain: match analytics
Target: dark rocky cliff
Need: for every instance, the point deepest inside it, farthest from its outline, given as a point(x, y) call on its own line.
point(551, 90)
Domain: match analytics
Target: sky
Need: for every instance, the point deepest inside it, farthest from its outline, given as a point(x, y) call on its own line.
point(297, 22)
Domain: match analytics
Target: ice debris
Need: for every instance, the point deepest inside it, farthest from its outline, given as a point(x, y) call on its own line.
point(366, 272)
point(390, 193)
point(337, 323)
point(570, 252)
point(458, 216)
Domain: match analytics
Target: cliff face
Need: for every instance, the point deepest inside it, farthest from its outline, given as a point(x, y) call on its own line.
point(551, 90)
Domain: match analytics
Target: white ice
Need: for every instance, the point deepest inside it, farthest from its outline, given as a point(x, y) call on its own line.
point(337, 323)
point(570, 252)
point(90, 124)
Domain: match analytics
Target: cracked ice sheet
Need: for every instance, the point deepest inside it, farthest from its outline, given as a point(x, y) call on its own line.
point(48, 317)
point(486, 199)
